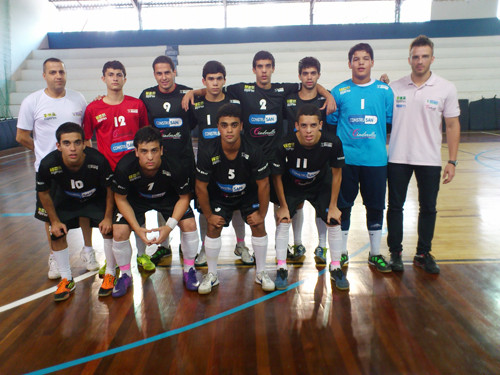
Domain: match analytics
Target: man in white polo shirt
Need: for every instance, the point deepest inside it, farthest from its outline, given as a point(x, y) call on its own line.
point(42, 112)
point(421, 100)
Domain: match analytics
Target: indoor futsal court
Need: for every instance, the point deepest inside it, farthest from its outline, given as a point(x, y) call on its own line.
point(395, 323)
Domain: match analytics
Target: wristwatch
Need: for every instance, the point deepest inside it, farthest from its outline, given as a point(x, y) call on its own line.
point(454, 162)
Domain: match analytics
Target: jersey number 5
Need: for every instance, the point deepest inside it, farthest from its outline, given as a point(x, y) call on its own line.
point(230, 174)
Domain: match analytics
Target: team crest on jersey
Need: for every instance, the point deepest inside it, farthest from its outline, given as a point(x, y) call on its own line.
point(150, 94)
point(215, 159)
point(326, 144)
point(431, 104)
point(291, 102)
point(401, 101)
point(344, 90)
point(199, 105)
point(249, 88)
point(77, 114)
point(385, 87)
point(133, 110)
point(49, 116)
point(166, 173)
point(93, 166)
point(134, 176)
point(56, 170)
point(289, 146)
point(245, 155)
point(279, 89)
point(183, 91)
point(101, 117)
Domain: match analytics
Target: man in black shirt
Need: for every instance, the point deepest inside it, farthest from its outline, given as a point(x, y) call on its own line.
point(81, 178)
point(308, 167)
point(148, 180)
point(231, 174)
point(204, 114)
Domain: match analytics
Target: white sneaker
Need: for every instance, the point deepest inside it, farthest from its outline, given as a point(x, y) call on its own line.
point(88, 257)
point(201, 258)
point(243, 252)
point(53, 270)
point(266, 282)
point(210, 280)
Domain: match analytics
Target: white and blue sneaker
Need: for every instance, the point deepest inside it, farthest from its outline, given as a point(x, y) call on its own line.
point(210, 280)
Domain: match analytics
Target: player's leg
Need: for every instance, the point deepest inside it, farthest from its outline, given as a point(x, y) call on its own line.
point(372, 181)
point(320, 251)
point(201, 258)
point(189, 242)
point(42, 215)
point(398, 179)
point(122, 251)
point(87, 254)
point(241, 249)
point(297, 222)
point(348, 192)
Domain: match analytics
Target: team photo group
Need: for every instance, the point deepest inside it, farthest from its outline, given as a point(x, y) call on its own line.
point(232, 153)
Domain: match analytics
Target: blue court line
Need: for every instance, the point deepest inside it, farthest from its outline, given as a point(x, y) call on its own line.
point(174, 332)
point(476, 158)
point(15, 215)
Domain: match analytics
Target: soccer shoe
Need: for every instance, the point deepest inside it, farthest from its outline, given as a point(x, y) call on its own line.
point(396, 262)
point(379, 262)
point(122, 286)
point(243, 252)
point(201, 258)
point(320, 255)
point(209, 281)
point(88, 257)
point(64, 288)
point(144, 261)
point(53, 269)
point(190, 280)
point(281, 281)
point(161, 252)
point(107, 285)
point(338, 277)
point(344, 260)
point(295, 252)
point(102, 270)
point(263, 279)
point(427, 262)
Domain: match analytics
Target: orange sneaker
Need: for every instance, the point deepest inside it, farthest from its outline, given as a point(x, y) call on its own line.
point(107, 285)
point(64, 288)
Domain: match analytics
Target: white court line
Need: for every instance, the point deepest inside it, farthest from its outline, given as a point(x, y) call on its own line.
point(498, 135)
point(17, 153)
point(41, 294)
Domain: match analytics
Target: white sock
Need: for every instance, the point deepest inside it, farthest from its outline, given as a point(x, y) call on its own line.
point(335, 236)
point(282, 232)
point(141, 246)
point(375, 239)
point(161, 223)
point(345, 234)
point(62, 259)
point(212, 250)
point(189, 243)
point(259, 245)
point(88, 249)
point(321, 225)
point(110, 256)
point(297, 222)
point(123, 255)
point(202, 221)
point(239, 226)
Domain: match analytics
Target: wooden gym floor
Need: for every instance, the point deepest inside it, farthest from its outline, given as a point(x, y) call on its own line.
point(405, 323)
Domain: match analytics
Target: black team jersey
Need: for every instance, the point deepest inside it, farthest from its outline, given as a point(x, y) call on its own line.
point(294, 102)
point(165, 113)
point(262, 112)
point(89, 183)
point(167, 184)
point(228, 179)
point(306, 168)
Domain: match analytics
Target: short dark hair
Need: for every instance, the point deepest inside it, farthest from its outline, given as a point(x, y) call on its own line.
point(309, 62)
point(309, 110)
point(262, 55)
point(69, 127)
point(229, 110)
point(51, 59)
point(422, 40)
point(147, 134)
point(213, 67)
point(115, 64)
point(162, 59)
point(360, 47)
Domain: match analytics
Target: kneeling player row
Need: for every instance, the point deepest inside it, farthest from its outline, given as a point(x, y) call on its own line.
point(231, 175)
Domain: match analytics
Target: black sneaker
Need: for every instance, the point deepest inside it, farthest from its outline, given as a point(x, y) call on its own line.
point(379, 262)
point(427, 262)
point(161, 252)
point(396, 262)
point(344, 260)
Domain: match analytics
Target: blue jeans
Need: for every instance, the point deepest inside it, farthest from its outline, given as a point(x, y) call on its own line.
point(428, 179)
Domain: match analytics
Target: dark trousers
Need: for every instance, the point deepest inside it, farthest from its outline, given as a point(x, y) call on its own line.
point(428, 179)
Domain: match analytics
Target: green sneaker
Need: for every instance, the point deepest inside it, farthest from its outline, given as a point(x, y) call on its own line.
point(161, 252)
point(64, 289)
point(144, 261)
point(344, 260)
point(102, 271)
point(379, 262)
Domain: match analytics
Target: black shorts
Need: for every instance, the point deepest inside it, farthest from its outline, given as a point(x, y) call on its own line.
point(40, 212)
point(140, 208)
point(247, 204)
point(371, 181)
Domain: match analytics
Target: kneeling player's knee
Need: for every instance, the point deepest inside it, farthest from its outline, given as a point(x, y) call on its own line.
point(258, 230)
point(121, 232)
point(187, 225)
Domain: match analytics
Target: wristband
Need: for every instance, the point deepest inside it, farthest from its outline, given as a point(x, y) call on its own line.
point(171, 222)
